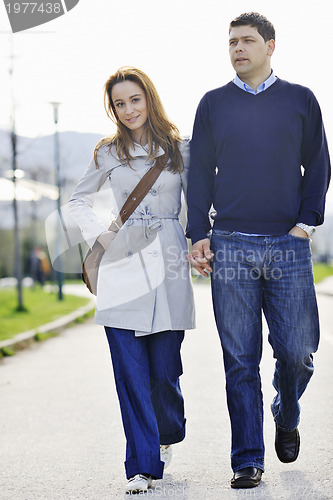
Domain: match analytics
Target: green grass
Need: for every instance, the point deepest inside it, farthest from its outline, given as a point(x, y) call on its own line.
point(321, 271)
point(41, 308)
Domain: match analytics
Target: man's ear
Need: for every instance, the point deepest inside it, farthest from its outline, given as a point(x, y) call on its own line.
point(270, 47)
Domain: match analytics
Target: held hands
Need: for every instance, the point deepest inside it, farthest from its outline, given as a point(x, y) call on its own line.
point(297, 231)
point(200, 256)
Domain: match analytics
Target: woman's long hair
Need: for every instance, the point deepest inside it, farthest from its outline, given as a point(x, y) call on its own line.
point(160, 131)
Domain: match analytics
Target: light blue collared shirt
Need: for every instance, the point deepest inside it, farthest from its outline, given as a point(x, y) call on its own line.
point(263, 86)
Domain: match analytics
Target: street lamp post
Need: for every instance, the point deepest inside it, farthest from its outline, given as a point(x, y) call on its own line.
point(18, 263)
point(58, 183)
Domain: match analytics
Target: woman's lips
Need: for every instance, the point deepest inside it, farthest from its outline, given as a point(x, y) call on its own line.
point(133, 119)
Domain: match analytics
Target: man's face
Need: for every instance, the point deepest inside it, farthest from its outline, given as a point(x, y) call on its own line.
point(249, 53)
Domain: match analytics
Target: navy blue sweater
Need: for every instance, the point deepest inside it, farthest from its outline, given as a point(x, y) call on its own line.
point(247, 154)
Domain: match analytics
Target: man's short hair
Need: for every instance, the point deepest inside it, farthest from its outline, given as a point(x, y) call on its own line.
point(264, 27)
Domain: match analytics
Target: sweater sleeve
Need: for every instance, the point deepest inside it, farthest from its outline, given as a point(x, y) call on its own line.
point(201, 175)
point(316, 164)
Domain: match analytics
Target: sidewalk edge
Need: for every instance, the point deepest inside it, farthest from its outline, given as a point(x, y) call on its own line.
point(23, 339)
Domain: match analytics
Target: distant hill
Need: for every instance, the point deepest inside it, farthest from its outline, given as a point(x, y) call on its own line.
point(35, 156)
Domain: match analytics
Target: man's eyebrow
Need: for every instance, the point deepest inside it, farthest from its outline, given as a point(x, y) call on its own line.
point(131, 97)
point(241, 37)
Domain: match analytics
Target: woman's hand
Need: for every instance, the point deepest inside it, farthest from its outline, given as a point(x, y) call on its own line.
point(106, 238)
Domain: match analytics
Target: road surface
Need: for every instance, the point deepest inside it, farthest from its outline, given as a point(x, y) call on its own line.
point(62, 439)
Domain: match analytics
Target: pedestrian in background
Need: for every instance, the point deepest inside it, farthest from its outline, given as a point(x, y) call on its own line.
point(39, 265)
point(144, 292)
point(259, 155)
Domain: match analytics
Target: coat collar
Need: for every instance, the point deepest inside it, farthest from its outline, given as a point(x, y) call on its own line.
point(139, 150)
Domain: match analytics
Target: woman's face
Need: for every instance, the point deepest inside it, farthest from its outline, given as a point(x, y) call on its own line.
point(130, 103)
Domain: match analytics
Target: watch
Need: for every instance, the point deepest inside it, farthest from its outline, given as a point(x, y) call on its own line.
point(308, 229)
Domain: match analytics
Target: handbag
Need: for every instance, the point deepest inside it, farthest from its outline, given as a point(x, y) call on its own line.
point(91, 262)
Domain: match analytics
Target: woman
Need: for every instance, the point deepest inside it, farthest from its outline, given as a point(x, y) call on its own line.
point(144, 293)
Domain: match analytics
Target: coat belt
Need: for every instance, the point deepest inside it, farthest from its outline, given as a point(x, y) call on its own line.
point(153, 216)
point(152, 222)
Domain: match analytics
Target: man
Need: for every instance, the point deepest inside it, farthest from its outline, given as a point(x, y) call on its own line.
point(259, 155)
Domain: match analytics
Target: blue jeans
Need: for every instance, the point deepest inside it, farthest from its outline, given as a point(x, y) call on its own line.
point(272, 274)
point(147, 371)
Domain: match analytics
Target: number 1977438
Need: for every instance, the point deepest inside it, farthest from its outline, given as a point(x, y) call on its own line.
point(31, 7)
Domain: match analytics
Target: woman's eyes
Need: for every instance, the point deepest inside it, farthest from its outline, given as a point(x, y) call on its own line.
point(121, 104)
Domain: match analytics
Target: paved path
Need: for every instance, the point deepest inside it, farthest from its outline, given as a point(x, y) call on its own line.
point(61, 435)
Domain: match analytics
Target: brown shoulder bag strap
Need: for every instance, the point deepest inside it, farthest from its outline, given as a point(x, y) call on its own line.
point(139, 192)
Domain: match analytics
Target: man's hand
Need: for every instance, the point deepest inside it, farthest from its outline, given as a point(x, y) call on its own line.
point(297, 231)
point(200, 256)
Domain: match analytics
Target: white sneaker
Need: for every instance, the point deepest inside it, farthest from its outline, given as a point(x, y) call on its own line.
point(139, 482)
point(166, 454)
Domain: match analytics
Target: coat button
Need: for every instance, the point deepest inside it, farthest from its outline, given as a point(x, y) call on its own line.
point(129, 253)
point(125, 194)
point(153, 191)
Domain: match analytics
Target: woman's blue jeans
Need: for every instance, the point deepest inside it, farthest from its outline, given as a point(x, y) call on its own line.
point(272, 274)
point(147, 371)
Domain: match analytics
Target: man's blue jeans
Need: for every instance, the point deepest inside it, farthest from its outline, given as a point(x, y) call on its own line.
point(147, 371)
point(272, 274)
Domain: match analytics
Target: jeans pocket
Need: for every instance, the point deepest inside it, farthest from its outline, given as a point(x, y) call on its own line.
point(298, 237)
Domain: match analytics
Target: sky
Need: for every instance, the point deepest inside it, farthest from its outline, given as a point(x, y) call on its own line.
point(181, 44)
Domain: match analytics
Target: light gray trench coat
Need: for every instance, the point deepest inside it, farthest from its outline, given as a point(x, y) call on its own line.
point(144, 277)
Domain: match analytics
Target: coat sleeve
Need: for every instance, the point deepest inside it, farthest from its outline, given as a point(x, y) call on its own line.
point(184, 148)
point(82, 200)
point(185, 152)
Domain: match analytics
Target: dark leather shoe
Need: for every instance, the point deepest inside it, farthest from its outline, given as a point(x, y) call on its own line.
point(287, 445)
point(249, 477)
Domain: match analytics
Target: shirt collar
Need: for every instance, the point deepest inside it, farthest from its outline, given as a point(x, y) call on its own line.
point(263, 86)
